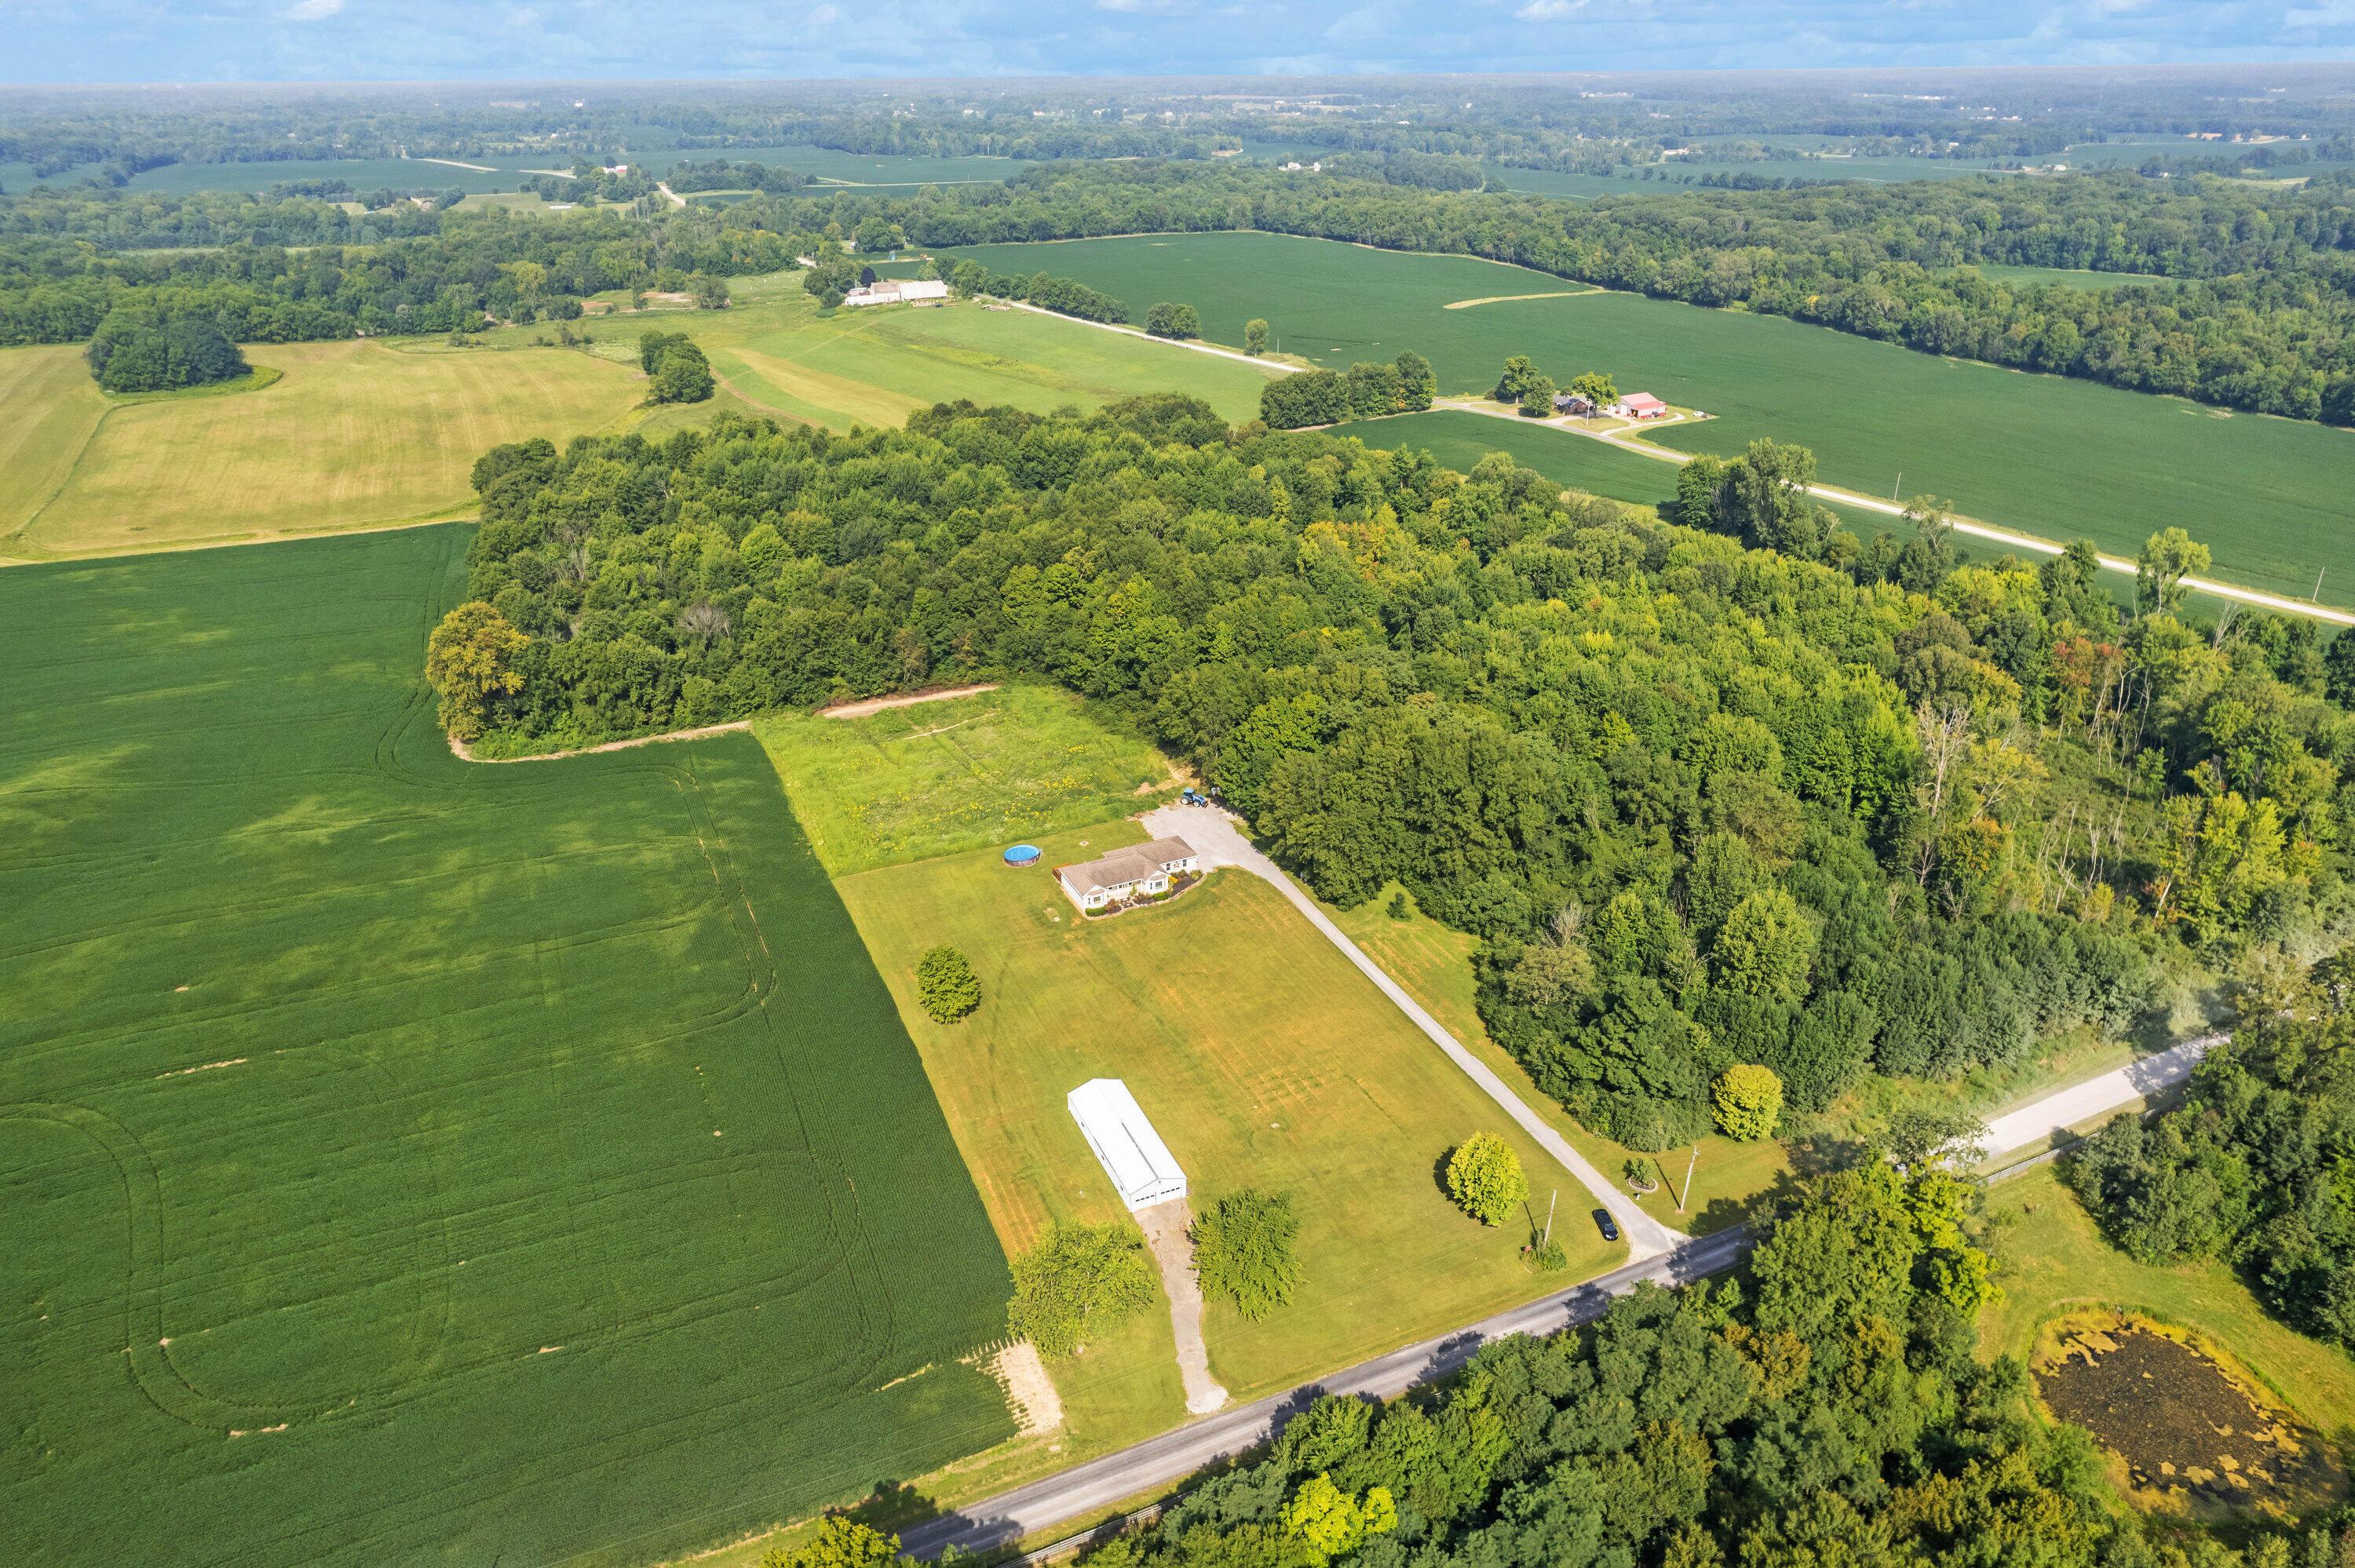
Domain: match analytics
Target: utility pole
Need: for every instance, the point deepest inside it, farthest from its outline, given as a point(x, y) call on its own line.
point(2317, 585)
point(1548, 1230)
point(1689, 1176)
point(1898, 486)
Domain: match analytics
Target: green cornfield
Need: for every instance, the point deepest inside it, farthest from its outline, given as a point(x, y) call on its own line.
point(408, 1159)
point(2043, 454)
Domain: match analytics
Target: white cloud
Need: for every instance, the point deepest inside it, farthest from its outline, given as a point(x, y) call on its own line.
point(1141, 7)
point(825, 16)
point(1550, 10)
point(311, 10)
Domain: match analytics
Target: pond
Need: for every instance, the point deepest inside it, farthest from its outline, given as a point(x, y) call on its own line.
point(2190, 1432)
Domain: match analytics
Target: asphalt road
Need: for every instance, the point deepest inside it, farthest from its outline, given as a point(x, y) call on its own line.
point(1099, 1483)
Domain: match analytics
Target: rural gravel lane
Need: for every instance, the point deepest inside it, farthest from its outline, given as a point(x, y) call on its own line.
point(1102, 1482)
point(2066, 1107)
point(1625, 442)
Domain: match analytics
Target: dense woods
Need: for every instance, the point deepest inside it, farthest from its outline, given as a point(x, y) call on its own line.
point(1709, 805)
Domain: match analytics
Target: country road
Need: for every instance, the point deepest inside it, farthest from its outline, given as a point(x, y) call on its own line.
point(1099, 1483)
point(1089, 1488)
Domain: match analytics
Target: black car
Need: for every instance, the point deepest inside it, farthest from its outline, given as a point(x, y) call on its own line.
point(1606, 1224)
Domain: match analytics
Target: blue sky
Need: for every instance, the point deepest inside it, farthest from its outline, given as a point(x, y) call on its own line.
point(412, 40)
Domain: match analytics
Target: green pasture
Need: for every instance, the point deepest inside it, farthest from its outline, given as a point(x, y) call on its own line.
point(966, 773)
point(416, 1160)
point(2043, 454)
point(777, 352)
point(1459, 439)
point(2018, 277)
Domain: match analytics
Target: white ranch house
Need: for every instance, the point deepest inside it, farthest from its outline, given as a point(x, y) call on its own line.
point(897, 292)
point(1140, 871)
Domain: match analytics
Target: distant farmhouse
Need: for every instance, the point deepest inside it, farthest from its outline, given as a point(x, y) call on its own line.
point(1140, 871)
point(897, 292)
point(1573, 403)
point(1640, 405)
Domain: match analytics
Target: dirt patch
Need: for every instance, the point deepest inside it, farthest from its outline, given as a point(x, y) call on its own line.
point(2194, 1436)
point(877, 705)
point(1028, 1390)
point(1508, 299)
point(466, 753)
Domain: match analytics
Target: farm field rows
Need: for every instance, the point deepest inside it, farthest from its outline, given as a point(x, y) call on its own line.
point(353, 435)
point(2043, 454)
point(416, 1159)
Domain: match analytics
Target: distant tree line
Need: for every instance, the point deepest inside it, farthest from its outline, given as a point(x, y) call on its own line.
point(1064, 296)
point(2258, 314)
point(472, 266)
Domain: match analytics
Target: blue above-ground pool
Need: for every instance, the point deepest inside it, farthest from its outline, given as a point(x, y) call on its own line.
point(1022, 854)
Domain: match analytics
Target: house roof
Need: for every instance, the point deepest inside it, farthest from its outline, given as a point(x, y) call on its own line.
point(1141, 1167)
point(1642, 400)
point(1122, 866)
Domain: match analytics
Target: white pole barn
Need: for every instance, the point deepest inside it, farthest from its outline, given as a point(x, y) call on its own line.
point(1142, 1169)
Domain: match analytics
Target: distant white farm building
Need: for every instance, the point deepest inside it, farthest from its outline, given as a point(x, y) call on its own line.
point(1140, 871)
point(897, 292)
point(1142, 1171)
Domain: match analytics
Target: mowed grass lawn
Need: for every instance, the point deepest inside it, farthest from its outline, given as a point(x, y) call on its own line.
point(2051, 456)
point(353, 435)
point(411, 1160)
point(991, 769)
point(2052, 1260)
point(1264, 1061)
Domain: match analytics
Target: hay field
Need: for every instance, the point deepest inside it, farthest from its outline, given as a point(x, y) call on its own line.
point(410, 1161)
point(1263, 1059)
point(965, 773)
point(48, 408)
point(353, 435)
point(782, 356)
point(2044, 454)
